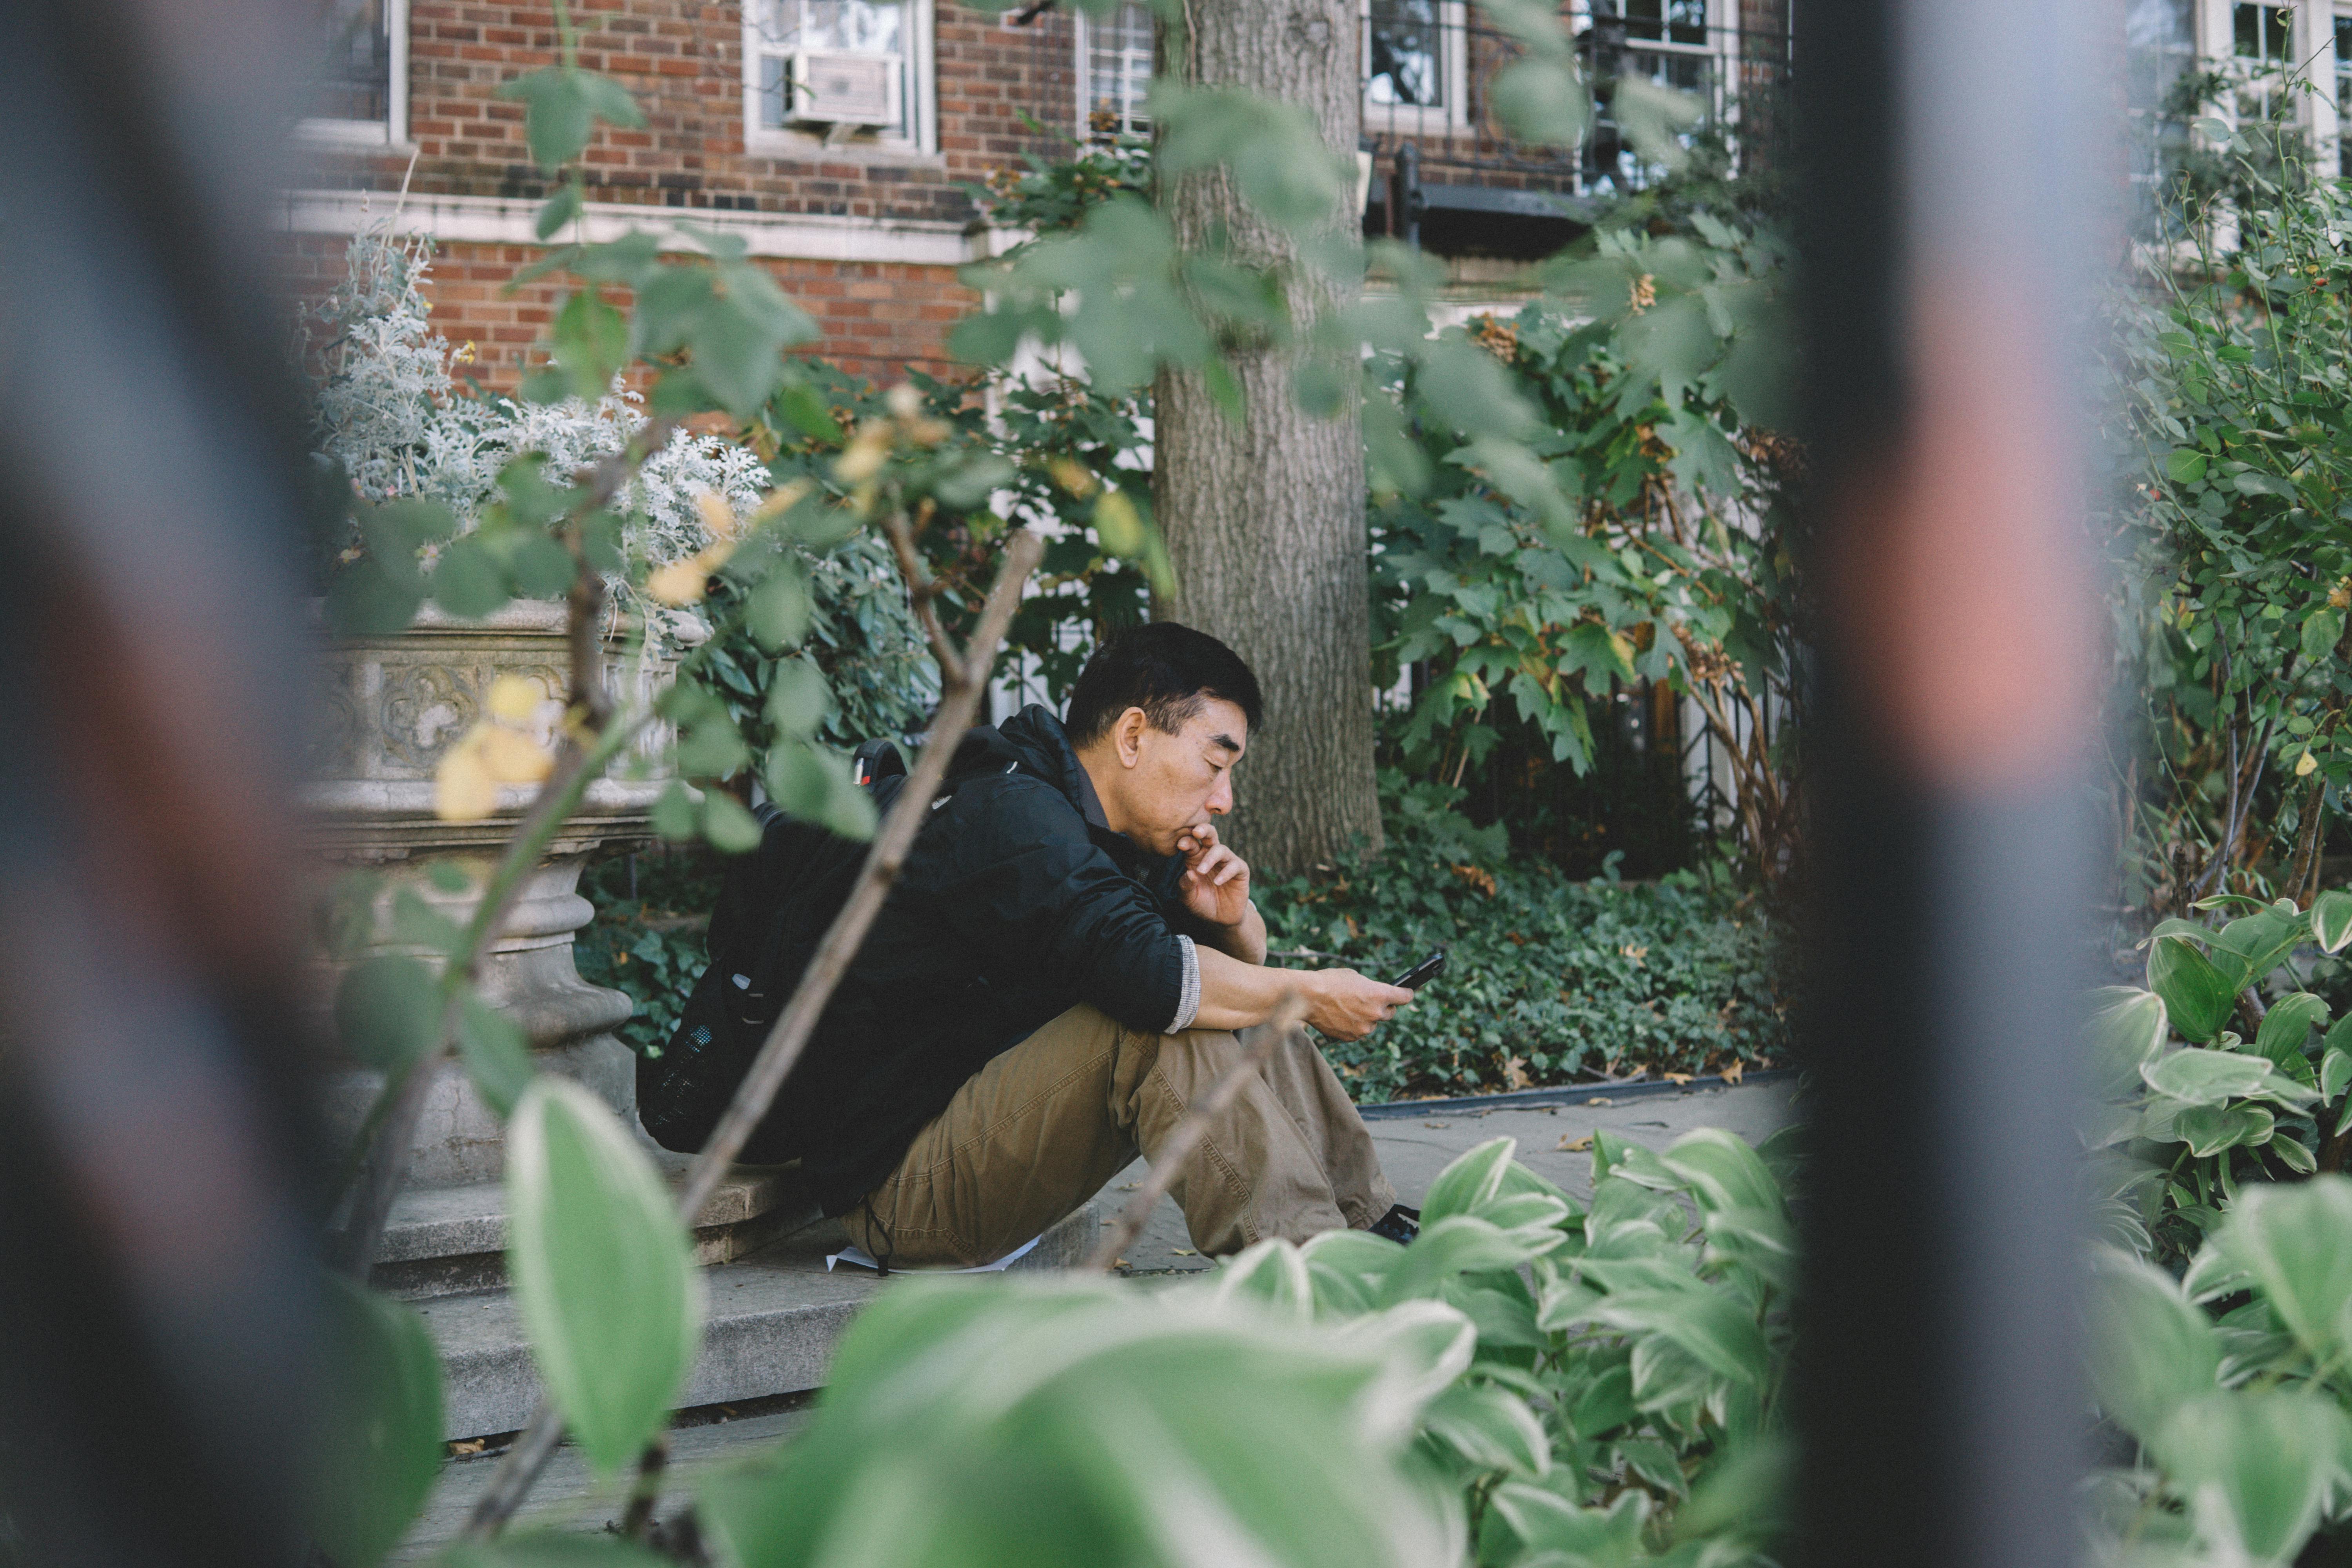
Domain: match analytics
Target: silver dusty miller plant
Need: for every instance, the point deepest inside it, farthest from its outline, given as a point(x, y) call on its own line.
point(389, 409)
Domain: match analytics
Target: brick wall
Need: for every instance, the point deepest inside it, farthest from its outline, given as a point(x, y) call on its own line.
point(877, 319)
point(684, 61)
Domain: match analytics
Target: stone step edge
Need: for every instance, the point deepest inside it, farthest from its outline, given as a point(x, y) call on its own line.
point(770, 1348)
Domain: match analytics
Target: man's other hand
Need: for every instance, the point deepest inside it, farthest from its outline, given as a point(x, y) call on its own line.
point(1216, 884)
point(1346, 1005)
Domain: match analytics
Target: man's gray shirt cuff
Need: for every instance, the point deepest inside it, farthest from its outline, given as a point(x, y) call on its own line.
point(1188, 1000)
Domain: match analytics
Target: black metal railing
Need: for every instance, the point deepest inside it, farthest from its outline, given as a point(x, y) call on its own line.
point(1429, 116)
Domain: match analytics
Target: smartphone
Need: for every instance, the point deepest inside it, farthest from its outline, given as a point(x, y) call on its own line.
point(1421, 974)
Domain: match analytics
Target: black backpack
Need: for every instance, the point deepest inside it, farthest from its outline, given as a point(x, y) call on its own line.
point(773, 910)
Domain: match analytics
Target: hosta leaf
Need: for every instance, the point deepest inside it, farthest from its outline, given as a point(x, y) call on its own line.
point(2286, 1024)
point(1470, 1181)
point(2152, 1350)
point(381, 1440)
point(2291, 1242)
point(2209, 1129)
point(2198, 991)
point(602, 1271)
point(1491, 1429)
point(1710, 1325)
point(2334, 1071)
point(2255, 1468)
point(2331, 920)
point(1273, 1274)
point(2210, 1078)
point(2126, 1028)
point(1723, 1172)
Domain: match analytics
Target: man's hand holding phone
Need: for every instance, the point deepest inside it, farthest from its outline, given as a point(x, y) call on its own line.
point(1346, 1005)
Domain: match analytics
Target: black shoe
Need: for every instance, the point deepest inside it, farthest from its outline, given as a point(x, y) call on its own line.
point(1400, 1224)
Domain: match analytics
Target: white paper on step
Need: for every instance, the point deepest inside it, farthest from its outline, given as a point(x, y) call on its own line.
point(857, 1255)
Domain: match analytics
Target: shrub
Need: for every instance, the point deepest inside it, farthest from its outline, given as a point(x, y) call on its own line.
point(1547, 979)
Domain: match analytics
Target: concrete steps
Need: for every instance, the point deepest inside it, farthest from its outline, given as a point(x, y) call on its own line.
point(774, 1310)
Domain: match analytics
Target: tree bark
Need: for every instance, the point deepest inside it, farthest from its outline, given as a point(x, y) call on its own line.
point(1264, 516)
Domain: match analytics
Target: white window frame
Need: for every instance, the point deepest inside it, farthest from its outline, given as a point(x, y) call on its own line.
point(922, 102)
point(1720, 49)
point(391, 131)
point(1085, 73)
point(1449, 116)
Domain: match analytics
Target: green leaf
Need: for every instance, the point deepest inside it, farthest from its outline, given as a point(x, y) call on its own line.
point(1724, 1172)
point(2334, 1068)
point(2209, 1129)
point(2198, 992)
point(1490, 1428)
point(2209, 1078)
point(2321, 633)
point(468, 580)
point(542, 568)
point(2127, 1028)
point(558, 114)
point(495, 1051)
point(416, 924)
point(1541, 101)
point(798, 699)
point(387, 1011)
point(777, 610)
point(675, 814)
point(368, 598)
point(1708, 1324)
point(1469, 1182)
point(2331, 920)
point(729, 824)
point(2257, 1467)
point(2287, 1024)
point(815, 785)
point(2184, 465)
point(2290, 1240)
point(379, 1445)
point(591, 343)
point(558, 210)
point(603, 1273)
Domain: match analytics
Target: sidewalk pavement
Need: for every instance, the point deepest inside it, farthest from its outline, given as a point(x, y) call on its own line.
point(1415, 1148)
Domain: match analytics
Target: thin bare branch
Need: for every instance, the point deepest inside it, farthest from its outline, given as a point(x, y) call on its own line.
point(923, 591)
point(964, 679)
point(1185, 1136)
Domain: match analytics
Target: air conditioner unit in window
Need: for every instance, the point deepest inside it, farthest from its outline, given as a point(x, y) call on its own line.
point(846, 89)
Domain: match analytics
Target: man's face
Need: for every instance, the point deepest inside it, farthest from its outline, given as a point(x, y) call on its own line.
point(1168, 783)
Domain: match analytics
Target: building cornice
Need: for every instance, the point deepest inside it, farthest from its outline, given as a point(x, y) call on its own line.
point(512, 220)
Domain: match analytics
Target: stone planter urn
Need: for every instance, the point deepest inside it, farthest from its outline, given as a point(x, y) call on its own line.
point(394, 705)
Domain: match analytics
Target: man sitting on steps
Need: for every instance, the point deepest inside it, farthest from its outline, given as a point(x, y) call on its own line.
point(1058, 975)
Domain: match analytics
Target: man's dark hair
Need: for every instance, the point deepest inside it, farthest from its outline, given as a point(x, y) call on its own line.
point(1167, 670)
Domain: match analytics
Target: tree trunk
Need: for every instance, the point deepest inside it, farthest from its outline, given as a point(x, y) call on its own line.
point(1265, 517)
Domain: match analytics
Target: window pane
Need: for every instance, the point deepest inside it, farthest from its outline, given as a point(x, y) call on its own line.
point(850, 26)
point(2261, 33)
point(783, 28)
point(1118, 71)
point(1406, 54)
point(355, 80)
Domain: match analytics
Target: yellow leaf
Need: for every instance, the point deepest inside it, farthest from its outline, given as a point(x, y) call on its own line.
point(781, 500)
point(515, 699)
point(679, 583)
point(1576, 1145)
point(903, 401)
point(512, 757)
point(464, 789)
point(717, 515)
point(1072, 476)
point(864, 456)
point(1118, 524)
point(2306, 767)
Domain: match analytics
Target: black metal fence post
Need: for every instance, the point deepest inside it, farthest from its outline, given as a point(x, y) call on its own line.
point(1952, 187)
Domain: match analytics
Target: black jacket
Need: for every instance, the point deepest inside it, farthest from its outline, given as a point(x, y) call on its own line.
point(1016, 903)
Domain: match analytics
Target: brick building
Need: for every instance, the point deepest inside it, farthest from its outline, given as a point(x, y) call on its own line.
point(836, 138)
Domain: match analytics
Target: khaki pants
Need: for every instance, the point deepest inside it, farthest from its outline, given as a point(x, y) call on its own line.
point(1040, 1128)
